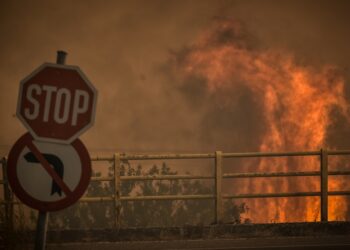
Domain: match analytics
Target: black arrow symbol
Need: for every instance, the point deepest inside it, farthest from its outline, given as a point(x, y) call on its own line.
point(57, 166)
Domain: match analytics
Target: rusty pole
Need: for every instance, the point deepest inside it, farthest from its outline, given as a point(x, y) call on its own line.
point(218, 187)
point(43, 217)
point(61, 57)
point(324, 185)
point(117, 190)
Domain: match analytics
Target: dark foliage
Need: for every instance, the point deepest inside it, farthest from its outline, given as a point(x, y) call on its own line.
point(145, 213)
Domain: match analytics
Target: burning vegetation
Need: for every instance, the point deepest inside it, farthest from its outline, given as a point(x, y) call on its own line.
point(294, 104)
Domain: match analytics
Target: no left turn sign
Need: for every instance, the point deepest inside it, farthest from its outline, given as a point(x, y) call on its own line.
point(48, 176)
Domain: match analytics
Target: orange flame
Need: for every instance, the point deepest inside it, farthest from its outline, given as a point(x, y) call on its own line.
point(296, 99)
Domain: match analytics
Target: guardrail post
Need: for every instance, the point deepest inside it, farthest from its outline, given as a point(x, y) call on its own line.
point(324, 185)
point(7, 196)
point(117, 189)
point(218, 187)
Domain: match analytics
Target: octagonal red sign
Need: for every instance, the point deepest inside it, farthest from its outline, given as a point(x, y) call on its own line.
point(56, 103)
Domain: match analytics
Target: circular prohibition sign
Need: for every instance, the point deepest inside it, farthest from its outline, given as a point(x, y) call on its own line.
point(48, 176)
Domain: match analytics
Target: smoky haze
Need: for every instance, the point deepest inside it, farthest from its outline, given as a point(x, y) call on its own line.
point(127, 49)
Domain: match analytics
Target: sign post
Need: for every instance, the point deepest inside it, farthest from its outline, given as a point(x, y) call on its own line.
point(49, 168)
point(41, 230)
point(43, 217)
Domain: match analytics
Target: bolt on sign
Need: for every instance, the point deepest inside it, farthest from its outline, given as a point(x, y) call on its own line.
point(49, 168)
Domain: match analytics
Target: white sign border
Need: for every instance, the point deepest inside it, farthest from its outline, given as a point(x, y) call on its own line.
point(48, 139)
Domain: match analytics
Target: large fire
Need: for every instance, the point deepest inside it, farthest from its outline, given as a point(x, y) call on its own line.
point(297, 101)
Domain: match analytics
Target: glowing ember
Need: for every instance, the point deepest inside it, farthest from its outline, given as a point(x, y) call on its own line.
point(296, 101)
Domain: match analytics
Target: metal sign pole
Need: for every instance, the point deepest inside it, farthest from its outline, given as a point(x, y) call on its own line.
point(41, 229)
point(43, 217)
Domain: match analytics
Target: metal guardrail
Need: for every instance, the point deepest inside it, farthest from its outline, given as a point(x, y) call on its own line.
point(218, 176)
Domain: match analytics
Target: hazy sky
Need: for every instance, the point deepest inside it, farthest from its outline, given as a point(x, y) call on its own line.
point(124, 47)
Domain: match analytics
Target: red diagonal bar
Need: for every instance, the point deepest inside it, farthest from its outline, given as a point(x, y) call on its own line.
point(48, 168)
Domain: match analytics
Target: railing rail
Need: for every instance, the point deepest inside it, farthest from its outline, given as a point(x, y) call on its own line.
point(218, 176)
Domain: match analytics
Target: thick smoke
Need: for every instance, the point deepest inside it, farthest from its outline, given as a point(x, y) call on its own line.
point(263, 98)
point(144, 104)
point(121, 47)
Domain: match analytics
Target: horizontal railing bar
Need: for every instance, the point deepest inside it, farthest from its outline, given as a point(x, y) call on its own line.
point(165, 177)
point(283, 174)
point(206, 196)
point(272, 174)
point(339, 172)
point(166, 156)
point(102, 178)
point(338, 192)
point(338, 152)
point(270, 154)
point(212, 155)
point(149, 197)
point(99, 158)
point(96, 199)
point(155, 157)
point(168, 197)
point(228, 175)
point(272, 195)
point(205, 156)
point(153, 177)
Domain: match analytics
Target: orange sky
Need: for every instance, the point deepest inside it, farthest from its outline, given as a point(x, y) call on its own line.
point(125, 48)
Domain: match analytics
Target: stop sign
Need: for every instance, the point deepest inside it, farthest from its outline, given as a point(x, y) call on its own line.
point(56, 103)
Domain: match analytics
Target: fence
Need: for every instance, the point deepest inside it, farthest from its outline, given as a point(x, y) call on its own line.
point(218, 156)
